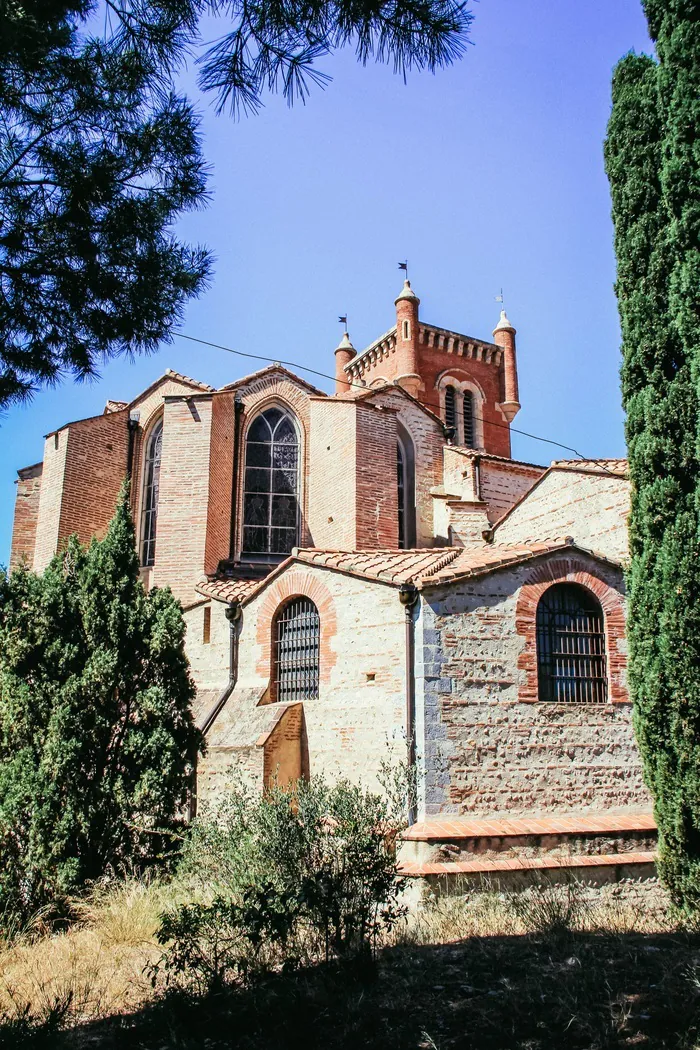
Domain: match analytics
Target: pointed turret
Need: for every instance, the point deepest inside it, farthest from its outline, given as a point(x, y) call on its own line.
point(407, 303)
point(504, 336)
point(344, 354)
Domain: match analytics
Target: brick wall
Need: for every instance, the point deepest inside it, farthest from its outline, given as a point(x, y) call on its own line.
point(95, 469)
point(26, 516)
point(332, 478)
point(428, 443)
point(591, 507)
point(358, 719)
point(377, 508)
point(183, 495)
point(503, 483)
point(487, 751)
point(218, 538)
point(440, 352)
point(149, 405)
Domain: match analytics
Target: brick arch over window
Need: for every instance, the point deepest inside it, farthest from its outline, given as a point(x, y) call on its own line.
point(571, 570)
point(292, 585)
point(452, 385)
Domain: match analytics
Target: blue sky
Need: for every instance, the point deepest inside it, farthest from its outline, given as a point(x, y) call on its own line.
point(486, 175)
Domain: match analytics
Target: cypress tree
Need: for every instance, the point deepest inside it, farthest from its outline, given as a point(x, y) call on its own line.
point(653, 167)
point(97, 738)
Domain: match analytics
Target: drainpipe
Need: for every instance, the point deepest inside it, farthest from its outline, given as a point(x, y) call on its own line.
point(237, 412)
point(408, 596)
point(233, 615)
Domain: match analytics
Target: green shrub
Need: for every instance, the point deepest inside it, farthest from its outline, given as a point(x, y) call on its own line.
point(299, 874)
point(97, 738)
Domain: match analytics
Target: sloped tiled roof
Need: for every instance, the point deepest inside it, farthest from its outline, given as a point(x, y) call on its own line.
point(274, 367)
point(394, 566)
point(429, 567)
point(619, 467)
point(434, 566)
point(227, 588)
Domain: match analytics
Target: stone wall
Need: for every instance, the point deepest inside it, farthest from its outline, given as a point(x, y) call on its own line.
point(357, 721)
point(485, 750)
point(591, 506)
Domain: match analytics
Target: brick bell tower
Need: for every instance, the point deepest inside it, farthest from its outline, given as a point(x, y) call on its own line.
point(407, 339)
point(430, 362)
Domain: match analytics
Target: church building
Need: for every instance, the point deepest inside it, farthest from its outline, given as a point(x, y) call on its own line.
point(370, 575)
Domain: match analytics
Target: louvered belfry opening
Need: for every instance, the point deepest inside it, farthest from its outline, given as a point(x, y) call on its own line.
point(468, 417)
point(571, 663)
point(450, 407)
point(297, 641)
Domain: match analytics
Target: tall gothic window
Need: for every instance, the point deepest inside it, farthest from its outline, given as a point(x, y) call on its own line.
point(571, 665)
point(401, 492)
point(468, 419)
point(271, 487)
point(297, 642)
point(450, 407)
point(406, 487)
point(151, 478)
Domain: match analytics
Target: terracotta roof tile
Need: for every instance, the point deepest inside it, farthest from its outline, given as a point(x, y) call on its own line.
point(227, 588)
point(429, 567)
point(394, 566)
point(172, 374)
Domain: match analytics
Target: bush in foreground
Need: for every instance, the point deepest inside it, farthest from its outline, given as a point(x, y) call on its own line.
point(96, 731)
point(299, 874)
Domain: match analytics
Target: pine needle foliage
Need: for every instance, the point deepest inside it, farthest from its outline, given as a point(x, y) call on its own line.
point(97, 739)
point(653, 162)
point(100, 154)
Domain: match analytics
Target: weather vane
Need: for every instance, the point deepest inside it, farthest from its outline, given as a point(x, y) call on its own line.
point(499, 299)
point(404, 266)
point(344, 321)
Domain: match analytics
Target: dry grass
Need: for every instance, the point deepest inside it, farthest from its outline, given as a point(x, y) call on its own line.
point(93, 969)
point(551, 966)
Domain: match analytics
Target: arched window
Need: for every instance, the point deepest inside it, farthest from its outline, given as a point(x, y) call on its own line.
point(297, 644)
point(468, 419)
point(571, 665)
point(401, 493)
point(149, 502)
point(271, 488)
point(450, 407)
point(406, 488)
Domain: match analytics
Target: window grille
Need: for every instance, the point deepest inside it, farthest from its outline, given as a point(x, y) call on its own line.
point(271, 486)
point(468, 416)
point(450, 407)
point(571, 663)
point(401, 494)
point(151, 479)
point(297, 632)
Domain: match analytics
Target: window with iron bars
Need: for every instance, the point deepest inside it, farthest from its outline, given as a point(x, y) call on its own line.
point(297, 650)
point(571, 661)
point(151, 480)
